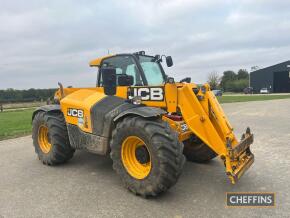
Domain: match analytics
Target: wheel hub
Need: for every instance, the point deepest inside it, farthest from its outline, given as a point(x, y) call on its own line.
point(142, 154)
point(136, 157)
point(44, 139)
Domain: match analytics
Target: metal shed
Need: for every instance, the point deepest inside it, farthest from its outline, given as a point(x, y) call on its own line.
point(276, 78)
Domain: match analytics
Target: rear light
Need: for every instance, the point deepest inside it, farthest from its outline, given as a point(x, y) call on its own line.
point(174, 117)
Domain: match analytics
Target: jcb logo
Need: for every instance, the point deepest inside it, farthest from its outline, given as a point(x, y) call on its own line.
point(75, 113)
point(147, 94)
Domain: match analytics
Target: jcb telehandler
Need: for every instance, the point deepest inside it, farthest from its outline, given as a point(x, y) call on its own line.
point(145, 120)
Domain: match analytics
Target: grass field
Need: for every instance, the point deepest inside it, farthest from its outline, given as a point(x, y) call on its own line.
point(242, 98)
point(8, 106)
point(15, 123)
point(18, 123)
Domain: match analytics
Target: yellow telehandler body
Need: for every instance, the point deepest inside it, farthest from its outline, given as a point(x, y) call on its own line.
point(145, 120)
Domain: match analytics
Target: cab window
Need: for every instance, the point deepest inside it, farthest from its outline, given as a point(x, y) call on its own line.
point(152, 70)
point(123, 65)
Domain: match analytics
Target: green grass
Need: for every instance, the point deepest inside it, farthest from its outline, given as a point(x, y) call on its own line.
point(15, 123)
point(230, 99)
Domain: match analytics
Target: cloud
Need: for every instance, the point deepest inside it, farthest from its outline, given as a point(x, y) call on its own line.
point(43, 42)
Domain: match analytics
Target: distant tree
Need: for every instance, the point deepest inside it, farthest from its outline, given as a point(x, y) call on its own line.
point(13, 95)
point(253, 68)
point(236, 85)
point(243, 74)
point(213, 80)
point(228, 75)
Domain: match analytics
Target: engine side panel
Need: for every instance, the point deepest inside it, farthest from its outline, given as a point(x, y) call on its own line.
point(76, 107)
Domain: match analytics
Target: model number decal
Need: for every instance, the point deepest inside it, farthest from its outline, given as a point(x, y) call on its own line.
point(147, 94)
point(75, 112)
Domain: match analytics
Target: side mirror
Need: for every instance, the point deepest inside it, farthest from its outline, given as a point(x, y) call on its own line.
point(169, 61)
point(109, 80)
point(125, 80)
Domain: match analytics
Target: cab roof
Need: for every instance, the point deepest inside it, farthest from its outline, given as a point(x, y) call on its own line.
point(97, 62)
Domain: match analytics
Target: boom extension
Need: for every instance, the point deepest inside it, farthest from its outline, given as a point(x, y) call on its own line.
point(206, 119)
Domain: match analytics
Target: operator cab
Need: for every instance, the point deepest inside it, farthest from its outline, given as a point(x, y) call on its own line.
point(135, 69)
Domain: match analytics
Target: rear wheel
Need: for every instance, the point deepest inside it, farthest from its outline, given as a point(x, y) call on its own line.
point(146, 155)
point(50, 138)
point(197, 151)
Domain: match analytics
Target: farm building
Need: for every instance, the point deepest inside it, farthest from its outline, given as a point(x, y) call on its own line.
point(275, 78)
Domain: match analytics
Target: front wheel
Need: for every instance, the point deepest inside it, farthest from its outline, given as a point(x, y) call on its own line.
point(146, 155)
point(50, 138)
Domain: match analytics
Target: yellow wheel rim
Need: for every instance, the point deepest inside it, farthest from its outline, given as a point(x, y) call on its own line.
point(43, 139)
point(136, 157)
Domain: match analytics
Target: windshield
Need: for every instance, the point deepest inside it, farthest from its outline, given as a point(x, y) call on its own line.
point(152, 70)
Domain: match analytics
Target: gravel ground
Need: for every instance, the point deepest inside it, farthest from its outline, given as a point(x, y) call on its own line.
point(88, 187)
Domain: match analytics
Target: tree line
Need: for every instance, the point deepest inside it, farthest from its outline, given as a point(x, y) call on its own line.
point(14, 95)
point(230, 81)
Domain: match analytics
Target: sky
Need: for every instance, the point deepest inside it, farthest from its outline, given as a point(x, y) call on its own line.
point(46, 42)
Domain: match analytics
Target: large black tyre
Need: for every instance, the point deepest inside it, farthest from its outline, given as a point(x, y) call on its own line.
point(164, 149)
point(56, 148)
point(197, 151)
